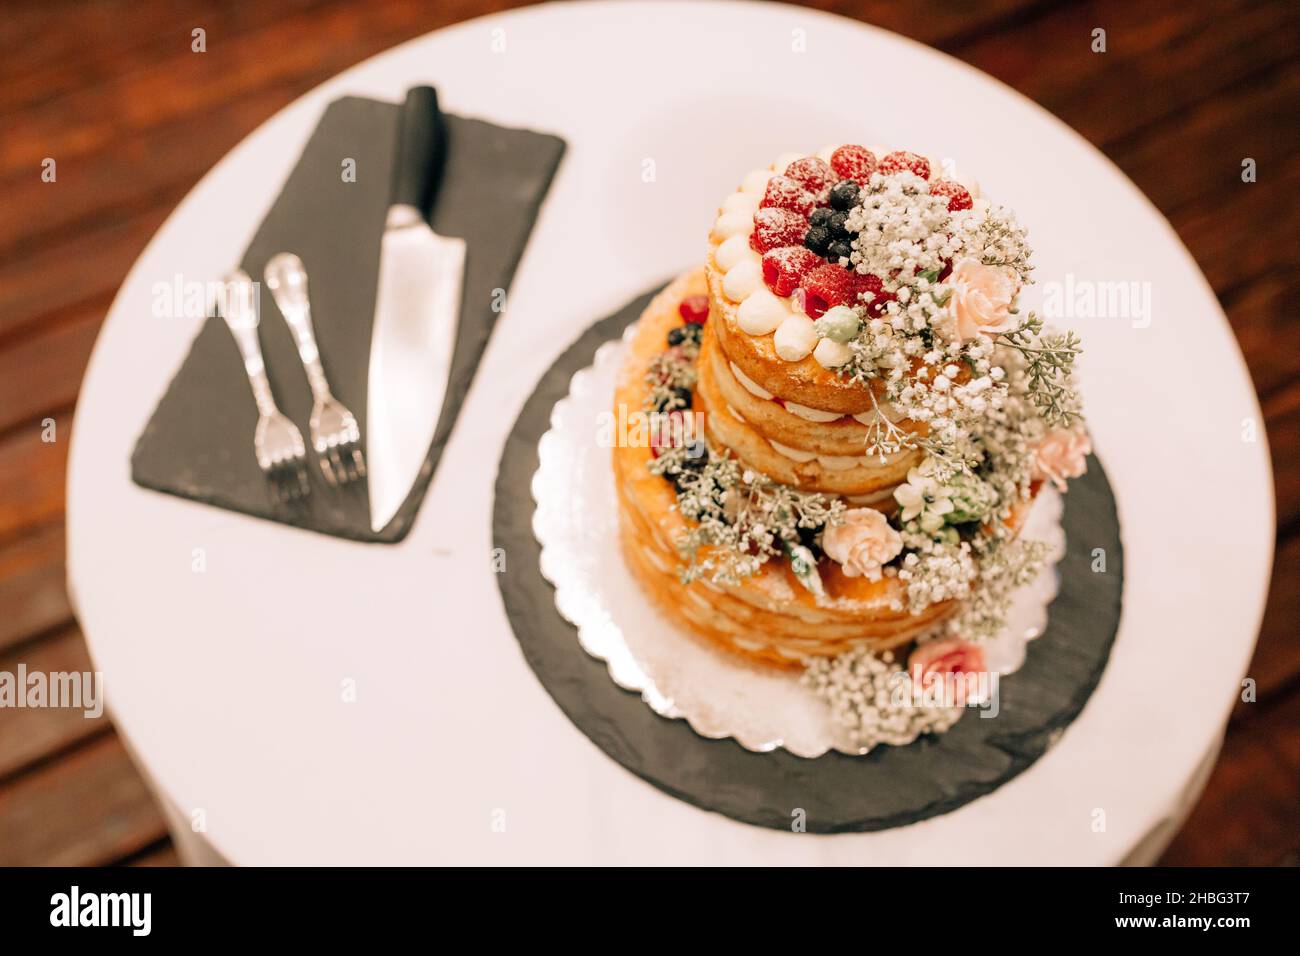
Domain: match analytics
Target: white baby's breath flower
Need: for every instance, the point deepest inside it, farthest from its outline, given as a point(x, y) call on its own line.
point(923, 498)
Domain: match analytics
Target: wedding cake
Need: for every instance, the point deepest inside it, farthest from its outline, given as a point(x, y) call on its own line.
point(850, 417)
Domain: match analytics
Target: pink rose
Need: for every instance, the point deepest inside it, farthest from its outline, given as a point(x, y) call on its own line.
point(934, 659)
point(982, 297)
point(1061, 454)
point(862, 543)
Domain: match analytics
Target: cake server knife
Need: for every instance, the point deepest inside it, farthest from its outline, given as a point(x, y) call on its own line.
point(417, 309)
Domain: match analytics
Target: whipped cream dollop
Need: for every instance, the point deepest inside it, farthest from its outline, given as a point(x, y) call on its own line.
point(763, 312)
point(732, 251)
point(743, 281)
point(831, 354)
point(795, 337)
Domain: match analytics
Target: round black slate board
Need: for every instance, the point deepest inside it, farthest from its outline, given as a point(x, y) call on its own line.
point(889, 787)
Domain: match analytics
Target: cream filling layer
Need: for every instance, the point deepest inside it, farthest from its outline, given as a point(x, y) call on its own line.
point(806, 412)
point(751, 386)
point(829, 462)
point(810, 414)
point(872, 499)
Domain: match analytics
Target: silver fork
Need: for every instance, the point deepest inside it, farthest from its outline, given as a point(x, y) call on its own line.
point(277, 443)
point(334, 431)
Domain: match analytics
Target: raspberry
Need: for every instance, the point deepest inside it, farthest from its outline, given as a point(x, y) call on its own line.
point(854, 162)
point(812, 172)
point(958, 196)
point(877, 306)
point(827, 285)
point(785, 266)
point(777, 227)
point(872, 284)
point(694, 309)
point(867, 283)
point(903, 161)
point(786, 193)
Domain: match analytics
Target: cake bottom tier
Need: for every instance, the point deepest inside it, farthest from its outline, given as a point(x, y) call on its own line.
point(756, 623)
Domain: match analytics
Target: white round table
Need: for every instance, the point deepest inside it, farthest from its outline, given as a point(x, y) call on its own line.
point(227, 683)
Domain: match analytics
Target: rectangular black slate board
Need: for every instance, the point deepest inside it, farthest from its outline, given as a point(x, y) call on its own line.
point(199, 442)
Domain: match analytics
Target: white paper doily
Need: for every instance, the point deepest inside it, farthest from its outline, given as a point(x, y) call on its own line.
point(678, 675)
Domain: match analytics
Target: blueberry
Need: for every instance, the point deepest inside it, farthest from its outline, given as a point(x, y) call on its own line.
point(685, 333)
point(837, 227)
point(839, 249)
point(821, 216)
point(817, 239)
point(844, 195)
point(677, 398)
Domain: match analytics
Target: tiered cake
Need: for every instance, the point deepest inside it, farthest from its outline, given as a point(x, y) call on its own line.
point(851, 414)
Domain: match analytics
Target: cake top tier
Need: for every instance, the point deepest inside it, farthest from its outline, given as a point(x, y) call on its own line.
point(890, 270)
point(895, 222)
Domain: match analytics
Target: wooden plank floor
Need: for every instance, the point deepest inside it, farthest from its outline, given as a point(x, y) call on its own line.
point(110, 88)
